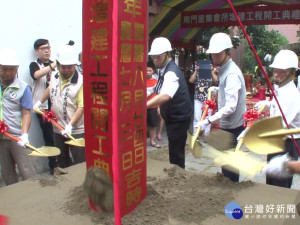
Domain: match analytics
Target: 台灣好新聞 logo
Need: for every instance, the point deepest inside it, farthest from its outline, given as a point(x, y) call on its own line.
point(233, 211)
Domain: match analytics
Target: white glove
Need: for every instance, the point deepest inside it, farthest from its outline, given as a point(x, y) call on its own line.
point(261, 105)
point(242, 134)
point(276, 168)
point(68, 129)
point(37, 105)
point(23, 140)
point(214, 90)
point(202, 124)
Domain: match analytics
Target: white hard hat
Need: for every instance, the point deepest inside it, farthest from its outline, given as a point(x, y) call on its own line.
point(219, 42)
point(8, 57)
point(159, 46)
point(285, 59)
point(66, 55)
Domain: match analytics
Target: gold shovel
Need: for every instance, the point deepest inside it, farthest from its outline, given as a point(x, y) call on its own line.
point(245, 163)
point(223, 140)
point(80, 142)
point(267, 136)
point(195, 146)
point(44, 151)
point(242, 161)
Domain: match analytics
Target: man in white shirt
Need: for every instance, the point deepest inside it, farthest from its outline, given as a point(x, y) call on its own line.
point(40, 72)
point(231, 93)
point(284, 67)
point(173, 98)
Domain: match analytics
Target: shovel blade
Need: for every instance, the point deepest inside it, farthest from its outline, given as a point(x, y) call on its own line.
point(192, 138)
point(80, 142)
point(45, 151)
point(197, 150)
point(33, 153)
point(264, 145)
point(242, 161)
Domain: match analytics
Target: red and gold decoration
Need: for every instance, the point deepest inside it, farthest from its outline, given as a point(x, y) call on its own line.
point(250, 116)
point(212, 105)
point(48, 116)
point(114, 67)
point(3, 127)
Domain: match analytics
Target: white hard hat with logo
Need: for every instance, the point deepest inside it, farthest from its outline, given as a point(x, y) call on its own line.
point(66, 55)
point(285, 59)
point(8, 57)
point(218, 43)
point(160, 45)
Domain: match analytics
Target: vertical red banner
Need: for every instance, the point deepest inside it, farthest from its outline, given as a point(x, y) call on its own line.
point(114, 68)
point(3, 220)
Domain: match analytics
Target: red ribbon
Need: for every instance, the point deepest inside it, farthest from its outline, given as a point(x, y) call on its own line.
point(3, 127)
point(49, 115)
point(250, 116)
point(211, 104)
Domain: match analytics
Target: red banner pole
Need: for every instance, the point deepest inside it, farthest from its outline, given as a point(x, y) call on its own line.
point(115, 94)
point(114, 68)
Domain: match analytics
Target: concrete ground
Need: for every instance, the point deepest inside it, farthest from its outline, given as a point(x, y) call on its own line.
point(206, 164)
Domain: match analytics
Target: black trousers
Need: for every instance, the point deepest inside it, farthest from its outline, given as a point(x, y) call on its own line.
point(228, 171)
point(47, 131)
point(70, 155)
point(290, 148)
point(177, 135)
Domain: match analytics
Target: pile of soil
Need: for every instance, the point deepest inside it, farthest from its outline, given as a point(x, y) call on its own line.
point(178, 197)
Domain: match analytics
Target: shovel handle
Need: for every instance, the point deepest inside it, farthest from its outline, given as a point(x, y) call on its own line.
point(206, 106)
point(55, 124)
point(11, 137)
point(52, 120)
point(204, 113)
point(18, 139)
point(202, 118)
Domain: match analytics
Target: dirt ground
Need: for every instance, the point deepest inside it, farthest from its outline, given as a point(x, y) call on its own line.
point(175, 197)
point(179, 197)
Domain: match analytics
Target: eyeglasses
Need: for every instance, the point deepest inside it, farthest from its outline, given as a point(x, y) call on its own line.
point(44, 48)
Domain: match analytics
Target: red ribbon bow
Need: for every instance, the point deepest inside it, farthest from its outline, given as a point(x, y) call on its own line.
point(211, 104)
point(250, 116)
point(3, 127)
point(49, 115)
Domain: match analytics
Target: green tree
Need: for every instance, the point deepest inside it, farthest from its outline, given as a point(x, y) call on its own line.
point(264, 42)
